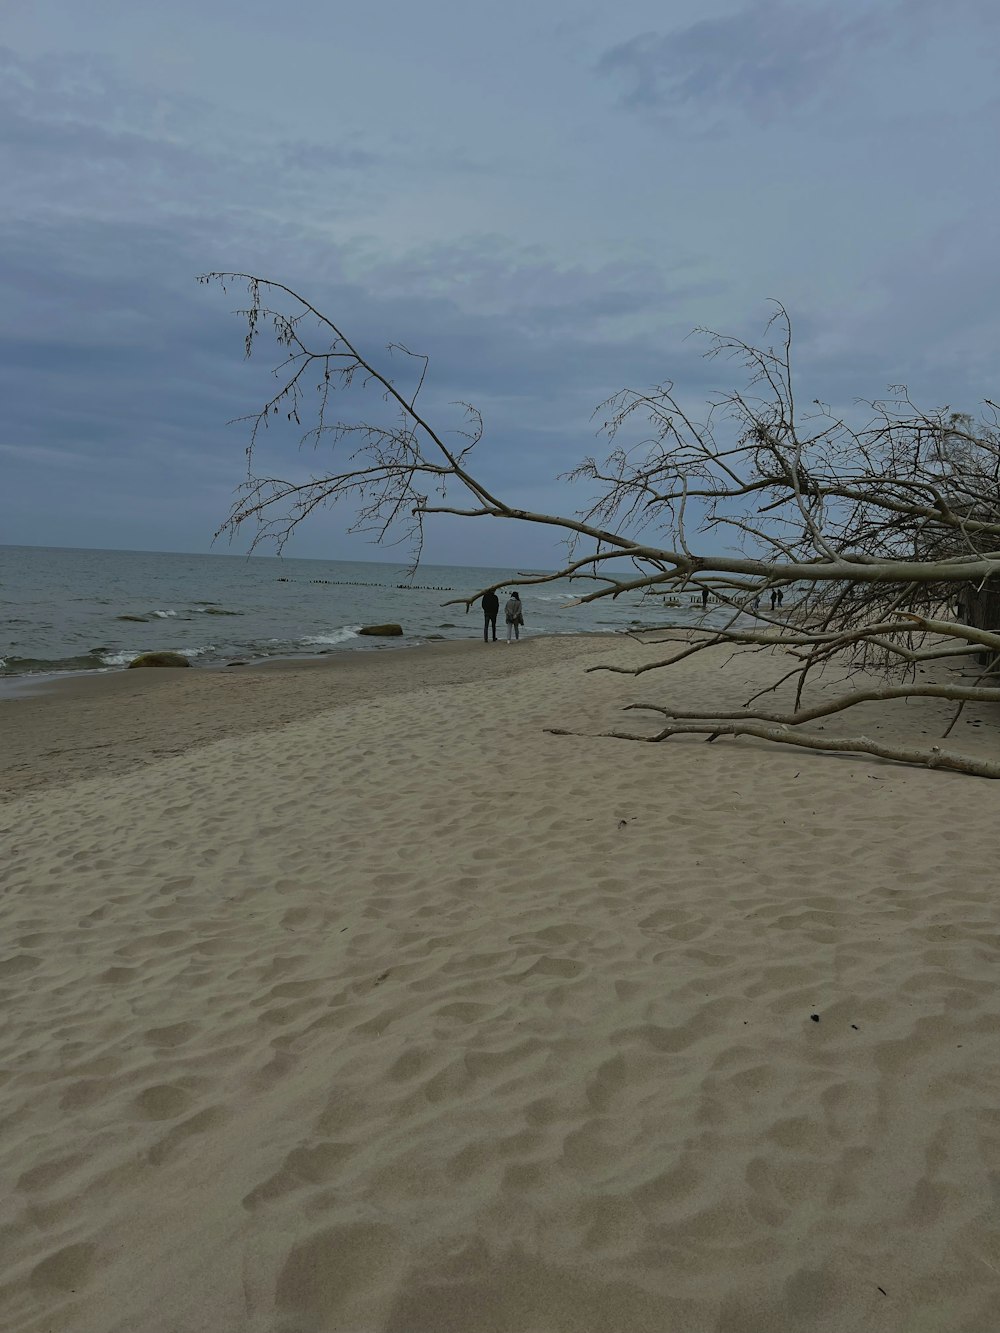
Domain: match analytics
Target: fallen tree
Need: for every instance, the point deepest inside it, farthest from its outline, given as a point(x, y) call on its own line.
point(874, 526)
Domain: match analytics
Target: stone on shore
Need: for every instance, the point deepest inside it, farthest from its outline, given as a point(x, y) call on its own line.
point(386, 631)
point(159, 660)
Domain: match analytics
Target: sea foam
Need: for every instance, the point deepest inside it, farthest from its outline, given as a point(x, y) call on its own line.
point(334, 636)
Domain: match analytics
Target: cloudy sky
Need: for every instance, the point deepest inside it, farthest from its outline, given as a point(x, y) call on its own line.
point(545, 198)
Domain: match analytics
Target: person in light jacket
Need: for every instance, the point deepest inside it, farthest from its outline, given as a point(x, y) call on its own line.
point(514, 615)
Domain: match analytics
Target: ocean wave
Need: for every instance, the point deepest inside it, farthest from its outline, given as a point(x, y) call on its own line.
point(24, 666)
point(334, 636)
point(162, 615)
point(122, 657)
point(214, 610)
point(95, 659)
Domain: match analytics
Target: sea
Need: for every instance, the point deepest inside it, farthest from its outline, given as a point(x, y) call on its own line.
point(65, 610)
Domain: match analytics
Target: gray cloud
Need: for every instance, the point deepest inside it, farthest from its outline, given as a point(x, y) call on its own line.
point(124, 366)
point(543, 252)
point(119, 365)
point(776, 57)
point(765, 59)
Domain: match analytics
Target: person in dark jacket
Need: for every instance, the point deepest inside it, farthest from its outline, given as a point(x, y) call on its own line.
point(514, 615)
point(491, 609)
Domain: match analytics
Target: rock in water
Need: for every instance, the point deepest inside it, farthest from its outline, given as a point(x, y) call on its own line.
point(159, 660)
point(385, 630)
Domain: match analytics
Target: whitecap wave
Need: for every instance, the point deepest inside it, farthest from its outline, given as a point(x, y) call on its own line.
point(163, 615)
point(117, 659)
point(123, 657)
point(334, 636)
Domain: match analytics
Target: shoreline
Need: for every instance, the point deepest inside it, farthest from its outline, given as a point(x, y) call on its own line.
point(29, 683)
point(80, 725)
point(85, 724)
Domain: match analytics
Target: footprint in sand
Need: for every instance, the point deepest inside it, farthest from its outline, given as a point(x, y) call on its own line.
point(175, 1034)
point(162, 1101)
point(198, 1123)
point(18, 964)
point(66, 1269)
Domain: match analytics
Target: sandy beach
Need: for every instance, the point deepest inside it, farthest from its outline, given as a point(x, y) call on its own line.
point(343, 997)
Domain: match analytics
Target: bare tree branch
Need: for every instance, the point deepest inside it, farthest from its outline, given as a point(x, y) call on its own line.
point(880, 522)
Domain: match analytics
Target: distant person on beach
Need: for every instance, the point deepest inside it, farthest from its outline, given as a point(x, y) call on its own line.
point(514, 615)
point(704, 598)
point(774, 598)
point(781, 596)
point(491, 609)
